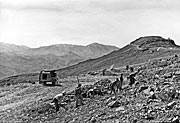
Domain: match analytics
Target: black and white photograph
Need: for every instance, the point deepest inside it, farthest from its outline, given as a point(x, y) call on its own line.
point(89, 61)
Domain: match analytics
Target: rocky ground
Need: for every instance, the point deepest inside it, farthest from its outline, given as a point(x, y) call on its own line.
point(154, 98)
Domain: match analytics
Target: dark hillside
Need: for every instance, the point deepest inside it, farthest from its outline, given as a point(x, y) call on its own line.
point(153, 41)
point(138, 51)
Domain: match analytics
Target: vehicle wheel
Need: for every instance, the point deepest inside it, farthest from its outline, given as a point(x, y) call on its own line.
point(53, 83)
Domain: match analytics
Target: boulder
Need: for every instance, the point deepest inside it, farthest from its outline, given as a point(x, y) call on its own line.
point(146, 91)
point(93, 120)
point(121, 108)
point(142, 88)
point(171, 105)
point(175, 120)
point(114, 104)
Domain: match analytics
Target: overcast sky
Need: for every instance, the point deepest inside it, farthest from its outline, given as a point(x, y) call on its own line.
point(37, 23)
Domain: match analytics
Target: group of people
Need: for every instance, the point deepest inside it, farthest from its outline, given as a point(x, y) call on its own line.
point(118, 83)
point(114, 87)
point(58, 99)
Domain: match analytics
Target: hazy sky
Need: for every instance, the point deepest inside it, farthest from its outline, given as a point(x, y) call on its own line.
point(36, 23)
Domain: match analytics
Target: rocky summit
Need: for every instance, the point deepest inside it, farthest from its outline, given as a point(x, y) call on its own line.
point(153, 41)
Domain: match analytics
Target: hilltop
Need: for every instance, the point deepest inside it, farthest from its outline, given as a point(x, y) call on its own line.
point(138, 51)
point(153, 41)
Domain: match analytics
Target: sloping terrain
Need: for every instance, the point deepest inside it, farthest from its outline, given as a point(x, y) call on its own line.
point(133, 53)
point(12, 64)
point(20, 59)
point(138, 51)
point(153, 98)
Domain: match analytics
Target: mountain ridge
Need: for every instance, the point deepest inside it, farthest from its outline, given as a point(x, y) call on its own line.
point(59, 49)
point(20, 59)
point(128, 55)
point(83, 51)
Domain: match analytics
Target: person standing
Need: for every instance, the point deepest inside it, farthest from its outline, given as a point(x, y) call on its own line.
point(114, 87)
point(78, 95)
point(120, 83)
point(132, 77)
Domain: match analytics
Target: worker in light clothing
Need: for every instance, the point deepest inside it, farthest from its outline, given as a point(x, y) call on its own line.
point(58, 100)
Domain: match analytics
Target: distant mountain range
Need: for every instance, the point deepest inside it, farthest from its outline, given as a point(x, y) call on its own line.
point(16, 59)
point(137, 52)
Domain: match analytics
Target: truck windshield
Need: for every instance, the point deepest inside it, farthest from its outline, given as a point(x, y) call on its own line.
point(44, 76)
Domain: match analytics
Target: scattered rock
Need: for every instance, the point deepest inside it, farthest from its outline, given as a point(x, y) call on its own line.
point(171, 105)
point(155, 98)
point(142, 88)
point(33, 82)
point(146, 91)
point(175, 120)
point(120, 108)
point(93, 120)
point(114, 104)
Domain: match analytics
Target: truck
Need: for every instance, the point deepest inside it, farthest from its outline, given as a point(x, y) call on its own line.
point(48, 77)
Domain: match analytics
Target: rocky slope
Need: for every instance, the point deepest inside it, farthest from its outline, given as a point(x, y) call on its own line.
point(138, 51)
point(153, 98)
